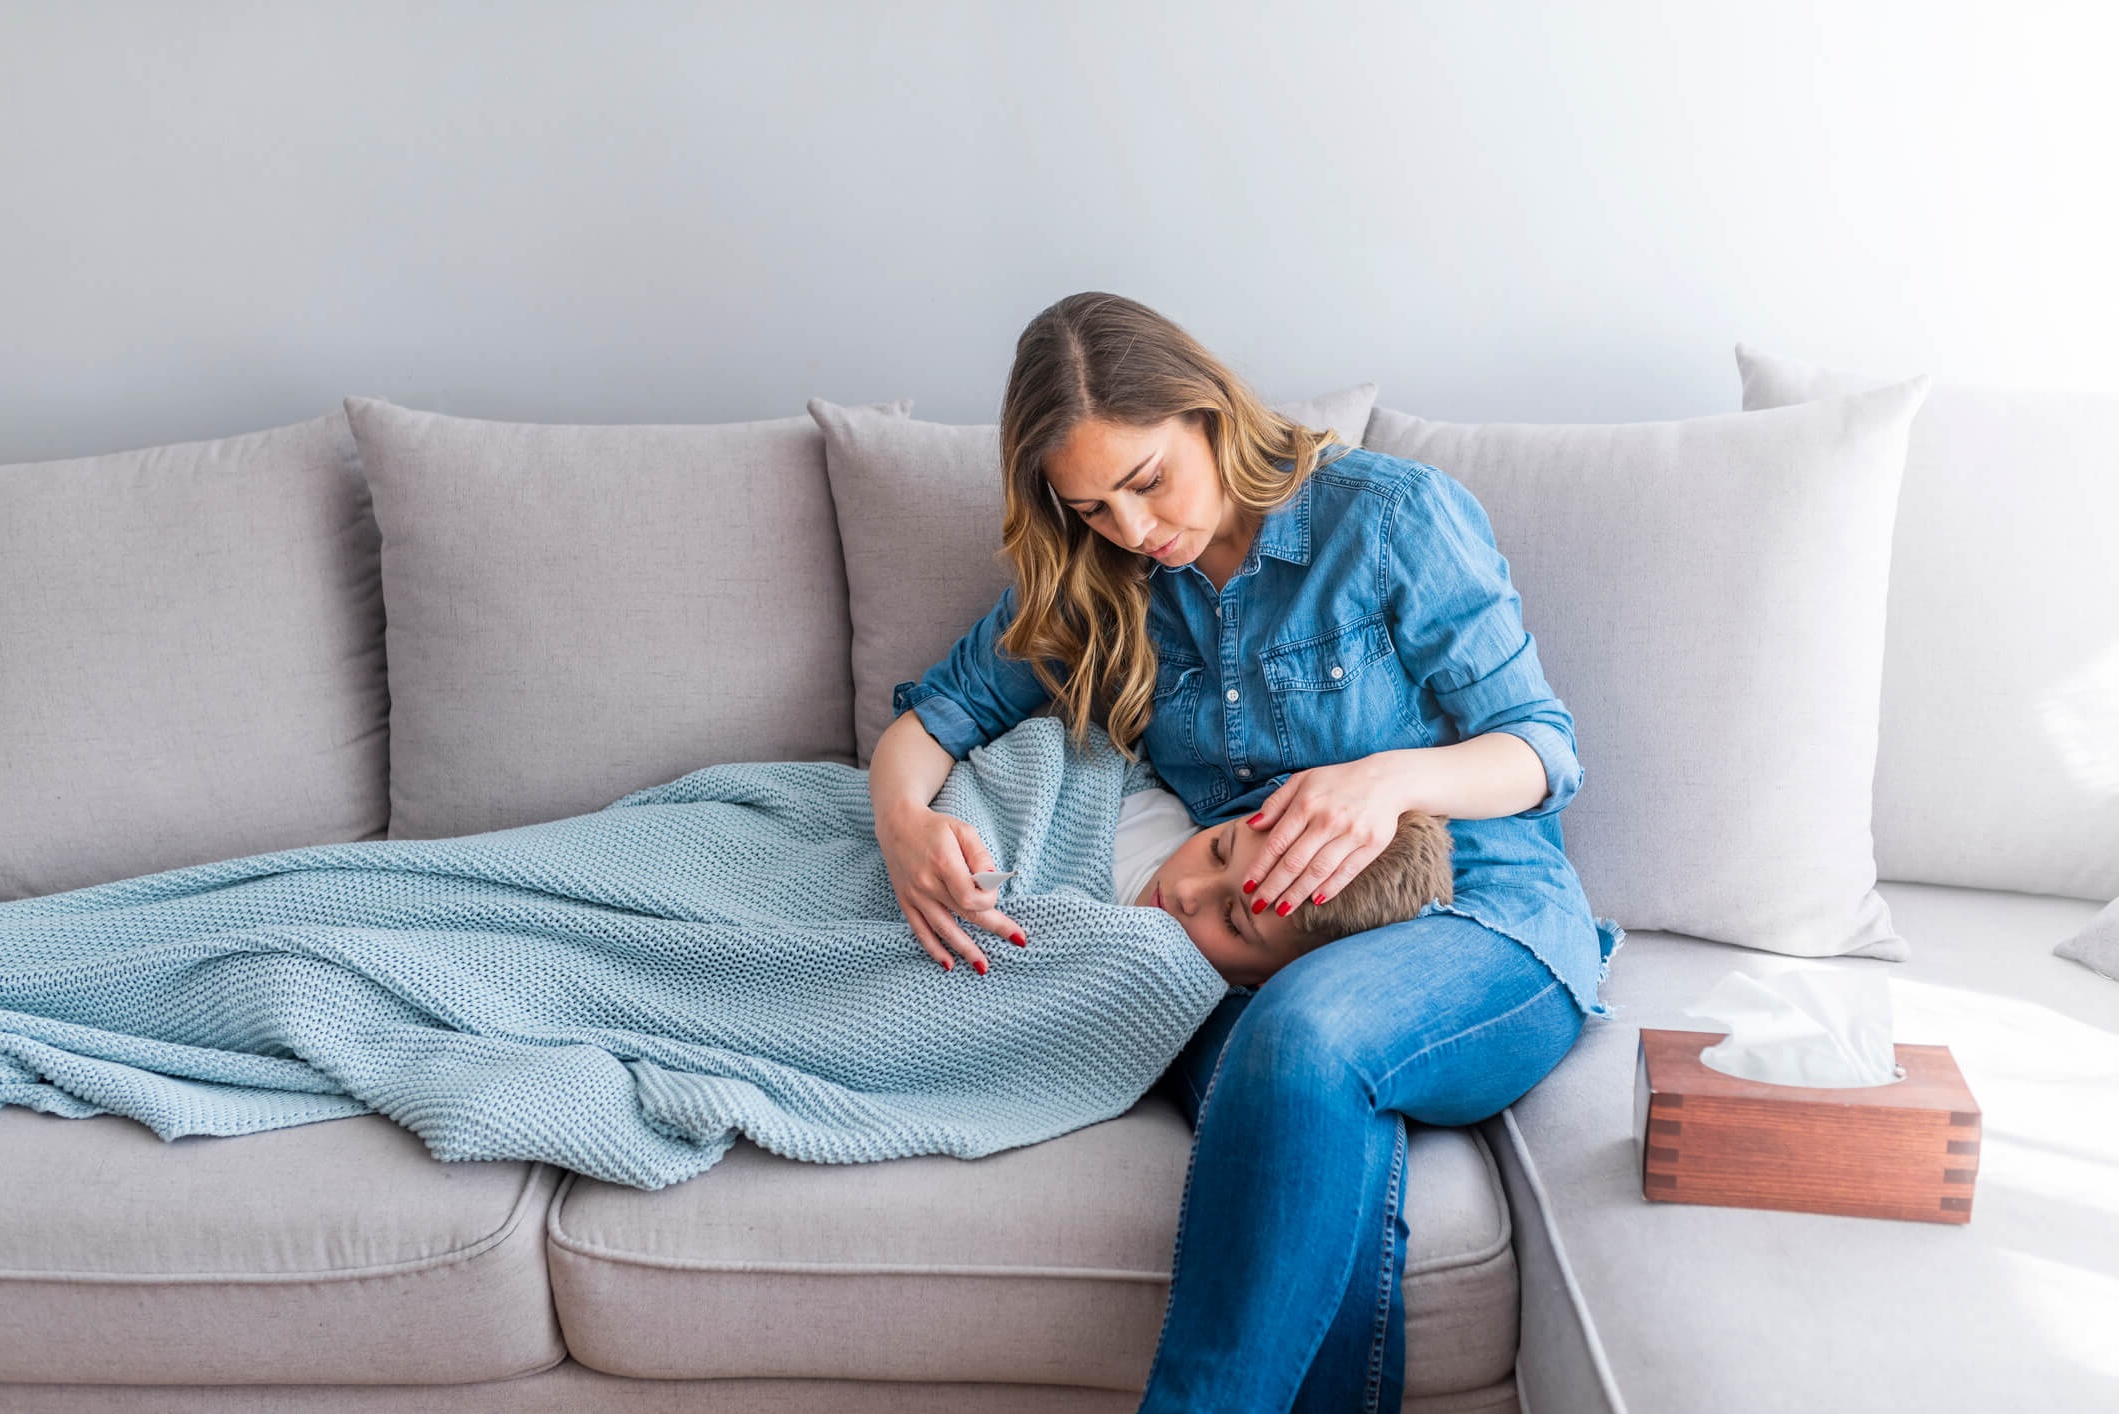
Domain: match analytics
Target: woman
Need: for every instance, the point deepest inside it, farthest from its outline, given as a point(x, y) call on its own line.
point(1313, 638)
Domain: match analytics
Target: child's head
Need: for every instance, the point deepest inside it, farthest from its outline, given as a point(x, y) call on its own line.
point(1201, 884)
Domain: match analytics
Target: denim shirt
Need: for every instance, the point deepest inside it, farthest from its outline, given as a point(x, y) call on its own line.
point(1373, 611)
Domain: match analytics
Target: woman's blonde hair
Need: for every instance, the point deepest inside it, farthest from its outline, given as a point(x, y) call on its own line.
point(1081, 601)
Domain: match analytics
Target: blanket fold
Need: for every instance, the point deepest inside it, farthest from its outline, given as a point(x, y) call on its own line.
point(624, 992)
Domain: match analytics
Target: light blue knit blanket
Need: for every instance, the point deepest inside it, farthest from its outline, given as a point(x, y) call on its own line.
point(623, 992)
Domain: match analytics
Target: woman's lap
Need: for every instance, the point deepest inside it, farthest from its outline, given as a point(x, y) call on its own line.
point(1443, 1019)
point(1288, 1273)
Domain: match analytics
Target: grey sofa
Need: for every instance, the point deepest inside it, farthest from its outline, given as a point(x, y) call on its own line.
point(387, 623)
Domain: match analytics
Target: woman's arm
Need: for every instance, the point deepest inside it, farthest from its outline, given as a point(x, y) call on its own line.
point(1496, 774)
point(908, 767)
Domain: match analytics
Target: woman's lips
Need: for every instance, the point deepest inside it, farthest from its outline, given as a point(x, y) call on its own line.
point(1166, 547)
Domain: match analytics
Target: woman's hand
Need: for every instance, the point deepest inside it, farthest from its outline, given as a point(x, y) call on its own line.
point(1323, 827)
point(931, 858)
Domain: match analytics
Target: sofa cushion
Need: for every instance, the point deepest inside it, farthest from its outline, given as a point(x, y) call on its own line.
point(1045, 1264)
point(920, 514)
point(331, 1253)
point(1999, 763)
point(568, 1388)
point(1654, 1307)
point(191, 657)
point(576, 612)
point(1708, 600)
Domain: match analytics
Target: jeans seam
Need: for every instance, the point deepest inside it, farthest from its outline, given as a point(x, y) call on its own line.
point(1392, 1198)
point(1184, 1203)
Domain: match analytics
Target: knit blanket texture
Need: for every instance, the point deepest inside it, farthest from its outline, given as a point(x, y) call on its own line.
point(623, 992)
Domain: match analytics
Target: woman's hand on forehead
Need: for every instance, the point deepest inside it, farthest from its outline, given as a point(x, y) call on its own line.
point(1320, 829)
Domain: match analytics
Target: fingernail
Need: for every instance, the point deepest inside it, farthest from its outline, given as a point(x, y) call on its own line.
point(947, 964)
point(1017, 939)
point(1318, 899)
point(1256, 818)
point(1249, 885)
point(980, 964)
point(1284, 908)
point(1258, 905)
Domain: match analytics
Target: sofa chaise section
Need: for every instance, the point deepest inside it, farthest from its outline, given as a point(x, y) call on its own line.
point(1665, 1308)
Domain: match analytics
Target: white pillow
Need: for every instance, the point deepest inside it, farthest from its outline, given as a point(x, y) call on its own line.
point(919, 506)
point(2097, 946)
point(1708, 601)
point(1998, 765)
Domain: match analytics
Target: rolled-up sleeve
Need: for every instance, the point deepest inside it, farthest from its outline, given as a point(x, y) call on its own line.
point(1460, 629)
point(977, 691)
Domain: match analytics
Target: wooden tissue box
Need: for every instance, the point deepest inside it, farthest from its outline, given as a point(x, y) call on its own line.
point(1905, 1150)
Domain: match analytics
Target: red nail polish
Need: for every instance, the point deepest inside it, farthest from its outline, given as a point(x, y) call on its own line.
point(980, 964)
point(947, 964)
point(1258, 906)
point(1284, 907)
point(1256, 818)
point(1249, 885)
point(1318, 899)
point(1017, 939)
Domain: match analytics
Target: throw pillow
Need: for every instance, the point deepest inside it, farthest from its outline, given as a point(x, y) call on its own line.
point(191, 657)
point(1998, 765)
point(576, 612)
point(2097, 946)
point(1707, 597)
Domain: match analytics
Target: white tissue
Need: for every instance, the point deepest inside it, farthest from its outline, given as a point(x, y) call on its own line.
point(1820, 1027)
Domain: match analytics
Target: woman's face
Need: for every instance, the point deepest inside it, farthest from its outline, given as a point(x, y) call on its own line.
point(1152, 490)
point(1201, 885)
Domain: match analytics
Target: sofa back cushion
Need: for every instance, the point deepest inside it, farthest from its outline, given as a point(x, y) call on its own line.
point(191, 657)
point(1998, 765)
point(576, 612)
point(920, 513)
point(1708, 600)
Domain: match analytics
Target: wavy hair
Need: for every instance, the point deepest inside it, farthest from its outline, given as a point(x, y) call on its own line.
point(1081, 601)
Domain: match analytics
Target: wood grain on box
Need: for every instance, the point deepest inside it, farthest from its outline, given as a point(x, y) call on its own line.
point(1905, 1150)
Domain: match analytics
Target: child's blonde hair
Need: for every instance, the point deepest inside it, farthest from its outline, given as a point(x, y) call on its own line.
point(1413, 869)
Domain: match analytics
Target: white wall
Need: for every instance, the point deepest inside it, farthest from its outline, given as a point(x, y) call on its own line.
point(218, 216)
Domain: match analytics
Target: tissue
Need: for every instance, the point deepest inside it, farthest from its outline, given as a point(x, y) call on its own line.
point(1826, 1028)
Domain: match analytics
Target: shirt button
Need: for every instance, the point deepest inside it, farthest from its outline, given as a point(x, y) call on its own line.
point(1244, 771)
point(1337, 671)
point(1217, 611)
point(1230, 694)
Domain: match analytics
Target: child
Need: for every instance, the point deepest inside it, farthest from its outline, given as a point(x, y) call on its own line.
point(1162, 860)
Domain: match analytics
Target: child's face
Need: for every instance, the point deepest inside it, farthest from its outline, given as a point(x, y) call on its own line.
point(1201, 885)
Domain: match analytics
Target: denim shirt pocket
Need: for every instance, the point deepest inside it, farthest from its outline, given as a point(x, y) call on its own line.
point(1175, 716)
point(1341, 688)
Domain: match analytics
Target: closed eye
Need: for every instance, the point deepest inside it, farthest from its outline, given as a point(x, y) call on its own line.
point(1144, 490)
point(1228, 914)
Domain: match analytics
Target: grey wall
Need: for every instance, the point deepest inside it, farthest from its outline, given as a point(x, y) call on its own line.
point(225, 216)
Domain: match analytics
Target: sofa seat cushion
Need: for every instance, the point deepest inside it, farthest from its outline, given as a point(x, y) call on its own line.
point(1048, 1264)
point(1652, 1307)
point(569, 1388)
point(331, 1253)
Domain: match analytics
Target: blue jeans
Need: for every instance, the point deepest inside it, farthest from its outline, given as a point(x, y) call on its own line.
point(1289, 1269)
